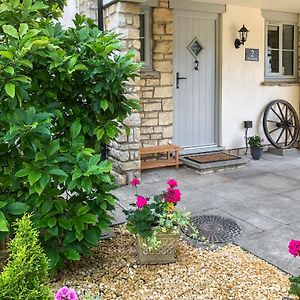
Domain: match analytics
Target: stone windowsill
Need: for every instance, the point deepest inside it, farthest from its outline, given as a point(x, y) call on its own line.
point(147, 73)
point(280, 83)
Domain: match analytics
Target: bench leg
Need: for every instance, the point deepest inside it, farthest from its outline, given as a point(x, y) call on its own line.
point(177, 159)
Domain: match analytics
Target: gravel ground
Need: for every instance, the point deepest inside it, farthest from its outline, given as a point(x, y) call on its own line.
point(228, 273)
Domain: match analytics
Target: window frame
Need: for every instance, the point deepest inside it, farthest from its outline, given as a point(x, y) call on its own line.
point(147, 12)
point(279, 75)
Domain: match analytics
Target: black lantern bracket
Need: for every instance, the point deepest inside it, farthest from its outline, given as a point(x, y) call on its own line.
point(243, 33)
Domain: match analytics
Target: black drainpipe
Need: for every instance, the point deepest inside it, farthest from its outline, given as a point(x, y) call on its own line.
point(104, 148)
point(100, 15)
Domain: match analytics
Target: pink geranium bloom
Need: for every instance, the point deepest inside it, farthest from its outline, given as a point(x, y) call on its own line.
point(172, 183)
point(65, 293)
point(294, 247)
point(141, 202)
point(173, 195)
point(134, 182)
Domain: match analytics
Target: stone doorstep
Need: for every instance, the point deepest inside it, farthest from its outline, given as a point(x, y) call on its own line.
point(216, 166)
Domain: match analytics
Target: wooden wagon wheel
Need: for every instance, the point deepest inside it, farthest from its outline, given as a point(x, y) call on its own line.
point(281, 124)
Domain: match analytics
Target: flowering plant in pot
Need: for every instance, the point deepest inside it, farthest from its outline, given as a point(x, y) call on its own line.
point(156, 222)
point(294, 249)
point(256, 146)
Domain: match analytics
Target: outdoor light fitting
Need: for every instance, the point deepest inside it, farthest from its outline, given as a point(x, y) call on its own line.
point(243, 32)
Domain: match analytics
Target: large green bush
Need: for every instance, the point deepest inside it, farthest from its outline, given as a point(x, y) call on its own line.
point(26, 275)
point(61, 99)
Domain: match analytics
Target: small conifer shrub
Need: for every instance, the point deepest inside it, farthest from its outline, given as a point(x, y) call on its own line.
point(26, 273)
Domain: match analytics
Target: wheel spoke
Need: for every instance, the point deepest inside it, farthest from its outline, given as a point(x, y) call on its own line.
point(270, 121)
point(292, 136)
point(286, 137)
point(281, 113)
point(274, 130)
point(281, 133)
point(276, 114)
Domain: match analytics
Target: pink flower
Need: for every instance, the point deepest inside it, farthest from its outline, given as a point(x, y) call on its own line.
point(134, 182)
point(294, 247)
point(173, 195)
point(65, 293)
point(141, 202)
point(172, 183)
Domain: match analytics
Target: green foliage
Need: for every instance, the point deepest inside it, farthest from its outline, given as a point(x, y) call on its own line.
point(295, 286)
point(61, 99)
point(26, 274)
point(255, 141)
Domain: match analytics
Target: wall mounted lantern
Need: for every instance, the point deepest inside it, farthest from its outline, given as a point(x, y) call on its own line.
point(243, 32)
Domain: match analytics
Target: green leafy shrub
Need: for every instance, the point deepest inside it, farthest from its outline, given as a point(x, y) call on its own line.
point(26, 274)
point(61, 99)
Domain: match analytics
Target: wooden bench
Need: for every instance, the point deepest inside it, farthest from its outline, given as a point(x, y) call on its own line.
point(159, 163)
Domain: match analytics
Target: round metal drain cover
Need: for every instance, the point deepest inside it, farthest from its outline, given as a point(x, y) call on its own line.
point(214, 229)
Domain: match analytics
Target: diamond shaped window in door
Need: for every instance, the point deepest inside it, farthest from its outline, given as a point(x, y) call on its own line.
point(194, 47)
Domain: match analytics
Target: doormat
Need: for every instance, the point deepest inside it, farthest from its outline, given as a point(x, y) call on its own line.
point(212, 157)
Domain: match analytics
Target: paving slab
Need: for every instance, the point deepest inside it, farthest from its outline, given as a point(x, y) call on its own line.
point(263, 198)
point(272, 246)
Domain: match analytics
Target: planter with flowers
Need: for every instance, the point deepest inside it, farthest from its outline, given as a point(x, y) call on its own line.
point(256, 146)
point(156, 223)
point(294, 249)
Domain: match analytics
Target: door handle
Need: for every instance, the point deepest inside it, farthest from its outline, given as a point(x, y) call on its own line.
point(179, 78)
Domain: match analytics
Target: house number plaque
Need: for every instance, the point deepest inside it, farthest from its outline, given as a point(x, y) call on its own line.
point(251, 54)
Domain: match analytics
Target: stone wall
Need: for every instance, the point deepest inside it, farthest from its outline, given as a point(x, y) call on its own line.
point(89, 8)
point(123, 18)
point(156, 85)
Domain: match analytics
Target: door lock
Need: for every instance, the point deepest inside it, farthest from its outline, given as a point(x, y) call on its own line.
point(179, 78)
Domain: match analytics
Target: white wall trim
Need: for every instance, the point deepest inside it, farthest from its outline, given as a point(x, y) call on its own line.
point(278, 16)
point(191, 5)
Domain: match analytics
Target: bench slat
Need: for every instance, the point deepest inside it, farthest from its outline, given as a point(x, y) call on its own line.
point(159, 149)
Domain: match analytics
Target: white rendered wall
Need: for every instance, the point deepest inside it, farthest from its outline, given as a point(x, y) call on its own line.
point(71, 9)
point(242, 95)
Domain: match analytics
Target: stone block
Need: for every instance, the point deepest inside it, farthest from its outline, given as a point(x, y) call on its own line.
point(169, 28)
point(163, 92)
point(167, 104)
point(162, 66)
point(149, 143)
point(157, 129)
point(165, 118)
point(130, 165)
point(152, 106)
point(156, 136)
point(152, 82)
point(159, 28)
point(167, 132)
point(147, 94)
point(166, 79)
point(128, 33)
point(127, 7)
point(119, 155)
point(149, 122)
point(163, 47)
point(134, 120)
point(151, 115)
point(163, 15)
point(147, 130)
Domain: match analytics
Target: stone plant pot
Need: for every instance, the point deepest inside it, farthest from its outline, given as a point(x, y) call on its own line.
point(163, 255)
point(256, 152)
